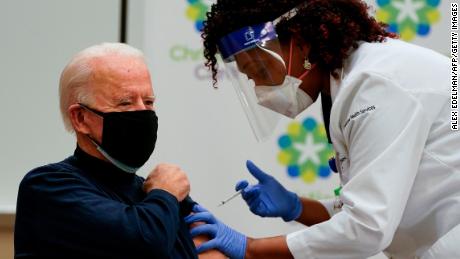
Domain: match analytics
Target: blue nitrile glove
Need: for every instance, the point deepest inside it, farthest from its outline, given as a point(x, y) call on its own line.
point(269, 198)
point(230, 242)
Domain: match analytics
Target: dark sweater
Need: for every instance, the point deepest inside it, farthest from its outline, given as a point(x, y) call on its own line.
point(84, 207)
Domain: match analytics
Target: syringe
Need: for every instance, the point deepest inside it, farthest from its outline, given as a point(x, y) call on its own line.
point(230, 198)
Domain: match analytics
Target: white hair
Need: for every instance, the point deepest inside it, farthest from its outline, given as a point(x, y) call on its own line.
point(74, 78)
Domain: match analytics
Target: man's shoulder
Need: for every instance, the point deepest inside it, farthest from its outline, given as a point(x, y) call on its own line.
point(57, 170)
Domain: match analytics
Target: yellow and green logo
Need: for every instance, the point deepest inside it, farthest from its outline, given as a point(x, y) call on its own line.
point(305, 151)
point(409, 18)
point(196, 12)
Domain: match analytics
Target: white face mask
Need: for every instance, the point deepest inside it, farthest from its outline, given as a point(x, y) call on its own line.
point(287, 98)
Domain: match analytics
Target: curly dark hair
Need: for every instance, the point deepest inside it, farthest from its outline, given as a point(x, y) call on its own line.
point(331, 27)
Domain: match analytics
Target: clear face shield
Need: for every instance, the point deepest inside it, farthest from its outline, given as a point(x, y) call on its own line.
point(260, 70)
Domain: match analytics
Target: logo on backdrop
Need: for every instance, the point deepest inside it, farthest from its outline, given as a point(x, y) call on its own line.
point(408, 18)
point(196, 12)
point(191, 50)
point(305, 151)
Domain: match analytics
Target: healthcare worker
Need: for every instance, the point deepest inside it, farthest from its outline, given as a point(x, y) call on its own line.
point(390, 125)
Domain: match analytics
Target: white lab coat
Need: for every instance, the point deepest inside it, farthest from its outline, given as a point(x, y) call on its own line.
point(399, 160)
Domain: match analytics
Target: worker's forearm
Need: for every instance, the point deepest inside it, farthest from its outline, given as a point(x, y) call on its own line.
point(273, 248)
point(276, 247)
point(313, 212)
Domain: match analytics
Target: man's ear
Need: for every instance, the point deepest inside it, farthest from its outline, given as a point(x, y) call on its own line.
point(77, 118)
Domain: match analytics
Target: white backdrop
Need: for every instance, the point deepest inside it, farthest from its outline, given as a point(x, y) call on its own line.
point(38, 39)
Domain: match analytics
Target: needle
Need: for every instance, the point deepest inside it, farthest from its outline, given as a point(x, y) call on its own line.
point(230, 198)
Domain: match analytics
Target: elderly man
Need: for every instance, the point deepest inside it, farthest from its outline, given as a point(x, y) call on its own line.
point(92, 204)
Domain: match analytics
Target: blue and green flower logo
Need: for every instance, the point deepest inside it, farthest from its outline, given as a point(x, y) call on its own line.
point(305, 150)
point(409, 18)
point(196, 12)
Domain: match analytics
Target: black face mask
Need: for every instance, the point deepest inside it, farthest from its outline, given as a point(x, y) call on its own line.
point(128, 138)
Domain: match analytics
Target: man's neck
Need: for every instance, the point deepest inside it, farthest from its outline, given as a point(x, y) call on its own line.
point(85, 143)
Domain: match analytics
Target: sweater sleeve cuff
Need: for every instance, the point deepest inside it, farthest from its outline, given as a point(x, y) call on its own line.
point(186, 206)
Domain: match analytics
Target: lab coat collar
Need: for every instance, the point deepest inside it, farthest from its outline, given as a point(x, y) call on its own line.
point(334, 83)
point(334, 87)
point(342, 72)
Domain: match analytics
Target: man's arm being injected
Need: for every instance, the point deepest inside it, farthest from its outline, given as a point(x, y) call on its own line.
point(210, 254)
point(273, 247)
point(307, 211)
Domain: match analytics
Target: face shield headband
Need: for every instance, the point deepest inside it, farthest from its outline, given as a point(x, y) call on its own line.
point(250, 36)
point(245, 39)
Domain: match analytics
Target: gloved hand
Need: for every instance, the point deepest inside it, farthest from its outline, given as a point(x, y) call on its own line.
point(269, 198)
point(225, 239)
